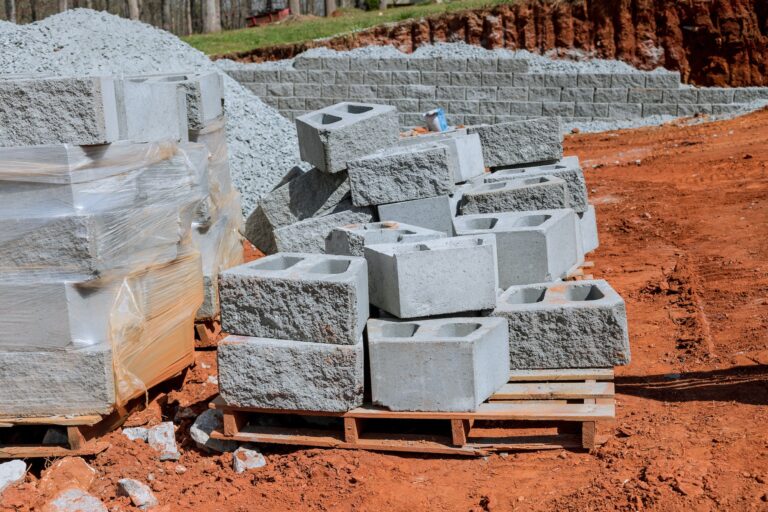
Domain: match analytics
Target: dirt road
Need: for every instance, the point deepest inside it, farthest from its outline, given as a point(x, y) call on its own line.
point(683, 218)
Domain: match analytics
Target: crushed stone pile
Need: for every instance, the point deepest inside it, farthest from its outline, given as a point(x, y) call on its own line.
point(262, 143)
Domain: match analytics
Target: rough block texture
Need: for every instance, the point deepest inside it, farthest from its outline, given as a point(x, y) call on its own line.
point(533, 247)
point(290, 375)
point(446, 365)
point(433, 277)
point(351, 240)
point(309, 235)
point(330, 137)
point(401, 174)
point(434, 213)
point(306, 297)
point(538, 193)
point(520, 142)
point(578, 324)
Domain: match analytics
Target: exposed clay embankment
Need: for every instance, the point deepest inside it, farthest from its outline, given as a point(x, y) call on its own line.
point(711, 42)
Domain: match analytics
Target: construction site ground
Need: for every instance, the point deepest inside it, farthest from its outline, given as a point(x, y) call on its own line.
point(683, 221)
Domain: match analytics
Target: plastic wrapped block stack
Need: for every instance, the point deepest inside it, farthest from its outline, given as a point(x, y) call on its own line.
point(100, 275)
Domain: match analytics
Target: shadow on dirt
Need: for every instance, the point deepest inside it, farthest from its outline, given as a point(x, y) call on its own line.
point(748, 385)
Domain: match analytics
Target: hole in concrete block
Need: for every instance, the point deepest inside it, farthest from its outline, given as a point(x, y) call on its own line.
point(330, 267)
point(457, 330)
point(583, 293)
point(531, 221)
point(327, 119)
point(358, 109)
point(526, 296)
point(483, 223)
point(277, 263)
point(399, 330)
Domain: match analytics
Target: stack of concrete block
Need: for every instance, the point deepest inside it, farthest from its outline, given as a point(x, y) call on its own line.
point(99, 279)
point(297, 321)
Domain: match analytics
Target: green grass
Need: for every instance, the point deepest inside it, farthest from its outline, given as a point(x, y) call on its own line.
point(296, 31)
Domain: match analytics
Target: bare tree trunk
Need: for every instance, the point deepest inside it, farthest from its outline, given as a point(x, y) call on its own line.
point(295, 6)
point(330, 6)
point(10, 10)
point(211, 16)
point(62, 5)
point(133, 9)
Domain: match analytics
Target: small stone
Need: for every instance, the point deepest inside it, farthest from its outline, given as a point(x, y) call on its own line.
point(136, 433)
point(162, 439)
point(247, 458)
point(140, 494)
point(11, 473)
point(201, 429)
point(75, 500)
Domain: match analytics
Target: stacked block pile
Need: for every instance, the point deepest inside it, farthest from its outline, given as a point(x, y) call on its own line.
point(453, 246)
point(483, 90)
point(100, 274)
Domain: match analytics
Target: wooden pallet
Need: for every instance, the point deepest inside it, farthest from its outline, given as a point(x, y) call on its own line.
point(582, 272)
point(535, 410)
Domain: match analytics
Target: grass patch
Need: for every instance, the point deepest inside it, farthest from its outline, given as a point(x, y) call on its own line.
point(308, 28)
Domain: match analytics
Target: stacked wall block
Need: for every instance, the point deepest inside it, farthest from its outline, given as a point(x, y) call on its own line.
point(475, 91)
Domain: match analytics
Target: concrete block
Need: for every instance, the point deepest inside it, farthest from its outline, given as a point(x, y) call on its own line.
point(578, 94)
point(517, 94)
point(535, 140)
point(659, 109)
point(512, 65)
point(613, 95)
point(587, 222)
point(551, 94)
point(590, 319)
point(80, 111)
point(351, 240)
point(533, 247)
point(625, 110)
point(592, 109)
point(433, 277)
point(434, 213)
point(319, 298)
point(645, 95)
point(290, 375)
point(402, 173)
point(311, 194)
point(594, 80)
point(627, 80)
point(689, 95)
point(663, 80)
point(309, 235)
point(525, 194)
point(715, 95)
point(567, 169)
point(330, 137)
point(465, 150)
point(559, 109)
point(445, 365)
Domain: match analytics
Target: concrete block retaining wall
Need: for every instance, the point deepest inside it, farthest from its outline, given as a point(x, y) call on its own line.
point(484, 90)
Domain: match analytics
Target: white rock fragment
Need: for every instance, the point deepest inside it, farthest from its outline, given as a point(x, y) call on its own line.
point(11, 473)
point(247, 458)
point(201, 429)
point(140, 494)
point(162, 439)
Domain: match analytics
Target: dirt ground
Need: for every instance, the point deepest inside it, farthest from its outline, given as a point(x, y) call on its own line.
point(683, 221)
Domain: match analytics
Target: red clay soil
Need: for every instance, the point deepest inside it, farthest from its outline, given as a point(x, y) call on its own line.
point(717, 42)
point(683, 218)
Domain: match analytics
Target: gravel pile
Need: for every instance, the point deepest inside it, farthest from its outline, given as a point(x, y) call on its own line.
point(262, 143)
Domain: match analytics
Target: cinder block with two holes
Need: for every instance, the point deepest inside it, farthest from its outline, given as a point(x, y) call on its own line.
point(524, 194)
point(445, 365)
point(290, 375)
point(292, 296)
point(520, 142)
point(332, 136)
point(433, 277)
point(567, 169)
point(533, 247)
point(351, 240)
point(578, 324)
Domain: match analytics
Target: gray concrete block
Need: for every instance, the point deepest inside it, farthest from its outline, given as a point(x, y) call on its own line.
point(497, 79)
point(659, 109)
point(533, 247)
point(689, 95)
point(525, 108)
point(406, 77)
point(535, 140)
point(512, 65)
point(434, 213)
point(311, 194)
point(79, 111)
point(645, 95)
point(558, 109)
point(319, 298)
point(591, 110)
point(351, 240)
point(715, 95)
point(445, 365)
point(402, 173)
point(567, 169)
point(519, 94)
point(466, 79)
point(587, 222)
point(290, 375)
point(594, 80)
point(433, 277)
point(309, 235)
point(664, 80)
point(465, 150)
point(332, 136)
point(437, 78)
point(578, 94)
point(625, 110)
point(612, 95)
point(524, 194)
point(627, 80)
point(551, 94)
point(578, 324)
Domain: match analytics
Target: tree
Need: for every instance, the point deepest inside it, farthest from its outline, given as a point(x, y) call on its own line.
point(211, 16)
point(10, 10)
